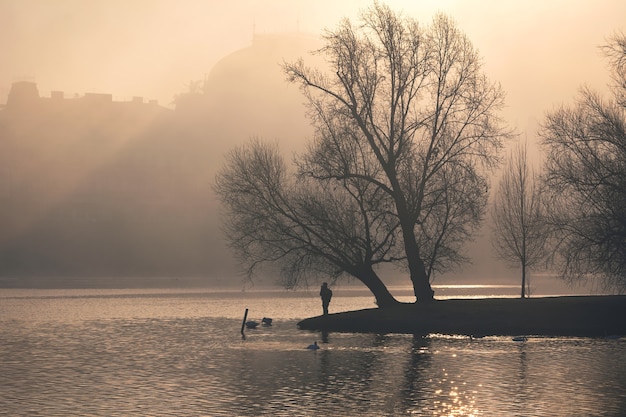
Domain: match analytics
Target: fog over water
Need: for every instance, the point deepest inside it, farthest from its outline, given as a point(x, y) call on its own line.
point(106, 170)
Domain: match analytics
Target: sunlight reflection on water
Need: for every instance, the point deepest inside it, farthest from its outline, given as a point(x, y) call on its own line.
point(162, 354)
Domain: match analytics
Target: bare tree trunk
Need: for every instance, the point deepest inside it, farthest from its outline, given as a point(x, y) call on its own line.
point(384, 299)
point(417, 269)
point(523, 281)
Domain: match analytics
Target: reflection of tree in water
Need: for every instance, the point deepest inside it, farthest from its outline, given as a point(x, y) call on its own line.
point(524, 392)
point(415, 384)
point(371, 375)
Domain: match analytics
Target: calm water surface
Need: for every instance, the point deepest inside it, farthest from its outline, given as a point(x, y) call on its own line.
point(180, 353)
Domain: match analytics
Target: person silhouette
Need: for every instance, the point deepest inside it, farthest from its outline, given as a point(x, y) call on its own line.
point(326, 294)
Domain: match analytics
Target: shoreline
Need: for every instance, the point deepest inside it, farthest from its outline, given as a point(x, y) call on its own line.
point(584, 316)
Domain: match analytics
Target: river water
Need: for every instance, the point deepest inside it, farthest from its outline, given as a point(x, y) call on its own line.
point(180, 353)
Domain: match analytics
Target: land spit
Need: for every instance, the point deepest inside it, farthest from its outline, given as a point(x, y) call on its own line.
point(586, 316)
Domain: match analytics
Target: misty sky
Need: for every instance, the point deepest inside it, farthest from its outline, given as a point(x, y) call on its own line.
point(541, 51)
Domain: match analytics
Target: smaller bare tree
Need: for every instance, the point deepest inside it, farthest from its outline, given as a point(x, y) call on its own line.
point(519, 234)
point(304, 226)
point(585, 171)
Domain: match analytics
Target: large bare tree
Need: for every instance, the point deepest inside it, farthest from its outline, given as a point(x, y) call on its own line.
point(519, 231)
point(586, 172)
point(415, 103)
point(306, 227)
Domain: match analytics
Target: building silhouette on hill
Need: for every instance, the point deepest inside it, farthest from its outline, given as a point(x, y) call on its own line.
point(24, 95)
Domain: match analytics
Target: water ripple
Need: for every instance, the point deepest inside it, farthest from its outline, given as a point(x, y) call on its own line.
point(154, 365)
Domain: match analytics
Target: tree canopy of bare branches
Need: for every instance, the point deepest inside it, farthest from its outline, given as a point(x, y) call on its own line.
point(306, 227)
point(408, 110)
point(519, 232)
point(586, 172)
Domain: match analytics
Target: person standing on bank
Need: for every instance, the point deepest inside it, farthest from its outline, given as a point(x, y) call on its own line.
point(326, 294)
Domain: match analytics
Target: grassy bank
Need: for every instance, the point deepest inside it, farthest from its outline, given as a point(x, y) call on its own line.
point(593, 316)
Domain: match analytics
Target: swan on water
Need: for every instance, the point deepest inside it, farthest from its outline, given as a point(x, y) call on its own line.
point(314, 346)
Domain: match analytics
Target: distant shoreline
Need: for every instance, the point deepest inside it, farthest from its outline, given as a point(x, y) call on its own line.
point(404, 292)
point(585, 316)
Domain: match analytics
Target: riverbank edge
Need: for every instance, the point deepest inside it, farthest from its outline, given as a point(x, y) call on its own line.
point(583, 316)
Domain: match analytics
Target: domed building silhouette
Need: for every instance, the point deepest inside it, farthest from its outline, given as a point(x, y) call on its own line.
point(247, 94)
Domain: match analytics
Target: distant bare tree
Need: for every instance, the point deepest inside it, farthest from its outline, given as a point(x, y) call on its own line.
point(519, 231)
point(412, 102)
point(306, 227)
point(586, 172)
